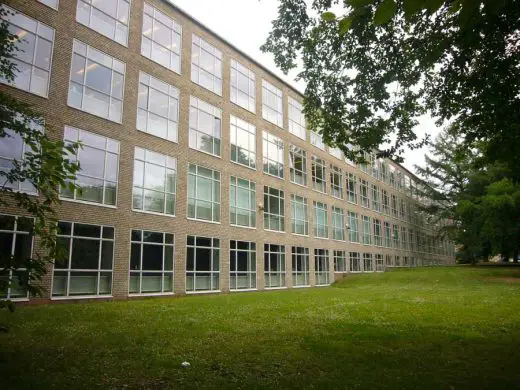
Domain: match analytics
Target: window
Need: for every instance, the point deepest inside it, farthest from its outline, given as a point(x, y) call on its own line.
point(348, 159)
point(203, 193)
point(386, 203)
point(242, 265)
point(274, 206)
point(388, 234)
point(378, 233)
point(157, 108)
point(296, 119)
point(161, 40)
point(352, 188)
point(376, 203)
point(96, 82)
point(321, 267)
point(205, 126)
point(34, 55)
point(317, 140)
point(272, 106)
point(383, 171)
point(388, 260)
point(155, 182)
point(380, 265)
point(50, 3)
point(404, 238)
point(242, 202)
point(274, 266)
point(242, 86)
point(374, 163)
point(395, 236)
point(336, 152)
point(109, 18)
point(397, 261)
point(411, 239)
point(206, 65)
point(99, 164)
point(338, 224)
point(273, 155)
point(367, 234)
point(353, 227)
point(402, 209)
point(336, 182)
point(363, 191)
point(16, 242)
point(151, 262)
point(300, 266)
point(202, 264)
point(318, 174)
point(299, 215)
point(243, 142)
point(87, 269)
point(321, 227)
point(368, 265)
point(298, 165)
point(392, 174)
point(364, 164)
point(340, 261)
point(355, 262)
point(394, 206)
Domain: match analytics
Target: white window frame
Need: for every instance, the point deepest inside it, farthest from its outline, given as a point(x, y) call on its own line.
point(298, 176)
point(320, 209)
point(378, 232)
point(340, 261)
point(235, 183)
point(368, 262)
point(319, 183)
point(268, 198)
point(352, 193)
point(238, 126)
point(250, 273)
point(376, 198)
point(338, 215)
point(297, 125)
point(198, 107)
point(268, 159)
point(48, 3)
point(353, 223)
point(200, 46)
point(321, 267)
point(317, 140)
point(354, 262)
point(193, 172)
point(237, 71)
point(300, 253)
point(367, 230)
point(280, 275)
point(364, 193)
point(214, 263)
point(269, 91)
point(119, 24)
point(336, 186)
point(299, 202)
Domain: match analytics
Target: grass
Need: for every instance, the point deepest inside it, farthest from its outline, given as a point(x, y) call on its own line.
point(436, 328)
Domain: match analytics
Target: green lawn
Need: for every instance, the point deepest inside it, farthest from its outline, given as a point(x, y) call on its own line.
point(432, 328)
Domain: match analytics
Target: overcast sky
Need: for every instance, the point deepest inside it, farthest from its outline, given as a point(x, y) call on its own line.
point(246, 24)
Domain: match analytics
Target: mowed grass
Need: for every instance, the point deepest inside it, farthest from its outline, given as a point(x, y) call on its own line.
point(430, 328)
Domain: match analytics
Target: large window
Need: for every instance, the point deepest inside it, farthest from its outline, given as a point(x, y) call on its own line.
point(16, 242)
point(388, 260)
point(352, 188)
point(321, 226)
point(243, 142)
point(272, 106)
point(300, 266)
point(298, 165)
point(395, 213)
point(274, 205)
point(151, 262)
point(404, 238)
point(388, 234)
point(380, 264)
point(376, 203)
point(205, 126)
point(206, 65)
point(161, 40)
point(203, 193)
point(355, 262)
point(317, 140)
point(395, 236)
point(202, 264)
point(368, 265)
point(353, 227)
point(296, 119)
point(50, 3)
point(367, 234)
point(242, 265)
point(157, 108)
point(299, 215)
point(242, 86)
point(242, 202)
point(386, 202)
point(99, 163)
point(336, 152)
point(274, 266)
point(32, 54)
point(319, 178)
point(96, 82)
point(273, 155)
point(383, 171)
point(402, 209)
point(340, 261)
point(378, 233)
point(87, 267)
point(364, 194)
point(338, 224)
point(336, 182)
point(109, 18)
point(155, 181)
point(374, 163)
point(321, 267)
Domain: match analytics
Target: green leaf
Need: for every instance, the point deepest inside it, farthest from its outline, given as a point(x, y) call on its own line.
point(385, 12)
point(434, 5)
point(359, 3)
point(344, 25)
point(411, 7)
point(328, 16)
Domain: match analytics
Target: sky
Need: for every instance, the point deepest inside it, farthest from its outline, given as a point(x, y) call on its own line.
point(247, 23)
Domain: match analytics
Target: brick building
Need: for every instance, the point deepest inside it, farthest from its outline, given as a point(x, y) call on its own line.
point(198, 172)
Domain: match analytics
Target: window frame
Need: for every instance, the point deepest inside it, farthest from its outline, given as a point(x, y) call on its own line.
point(251, 77)
point(367, 233)
point(252, 219)
point(294, 153)
point(117, 21)
point(319, 207)
point(340, 257)
point(301, 201)
point(280, 198)
point(279, 251)
point(336, 182)
point(338, 211)
point(251, 265)
point(321, 266)
point(196, 69)
point(198, 106)
point(319, 184)
point(214, 175)
point(267, 160)
point(300, 253)
point(277, 111)
point(236, 126)
point(295, 122)
point(214, 246)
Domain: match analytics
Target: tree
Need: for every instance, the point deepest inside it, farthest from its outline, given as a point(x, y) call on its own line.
point(378, 65)
point(45, 167)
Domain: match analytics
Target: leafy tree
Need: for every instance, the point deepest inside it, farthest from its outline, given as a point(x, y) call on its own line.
point(45, 167)
point(373, 67)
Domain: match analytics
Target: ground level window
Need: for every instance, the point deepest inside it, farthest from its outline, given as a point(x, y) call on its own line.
point(300, 266)
point(274, 266)
point(368, 265)
point(355, 262)
point(388, 260)
point(202, 264)
point(380, 265)
point(397, 262)
point(340, 261)
point(242, 267)
point(321, 267)
point(151, 262)
point(87, 267)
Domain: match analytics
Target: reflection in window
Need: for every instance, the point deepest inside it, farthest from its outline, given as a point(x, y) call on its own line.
point(203, 193)
point(51, 3)
point(367, 233)
point(340, 261)
point(274, 206)
point(318, 174)
point(298, 165)
point(355, 262)
point(352, 188)
point(336, 182)
point(109, 18)
point(242, 86)
point(296, 119)
point(353, 227)
point(368, 265)
point(205, 126)
point(321, 226)
point(321, 267)
point(242, 202)
point(242, 265)
point(317, 140)
point(300, 266)
point(299, 215)
point(243, 142)
point(273, 155)
point(274, 266)
point(206, 65)
point(338, 224)
point(202, 264)
point(272, 106)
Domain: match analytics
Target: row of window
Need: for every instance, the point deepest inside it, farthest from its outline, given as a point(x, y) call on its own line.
point(87, 268)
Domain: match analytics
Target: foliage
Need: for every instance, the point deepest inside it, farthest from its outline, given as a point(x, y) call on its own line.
point(45, 168)
point(378, 65)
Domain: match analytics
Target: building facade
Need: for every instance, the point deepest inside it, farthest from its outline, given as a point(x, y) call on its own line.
point(197, 169)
